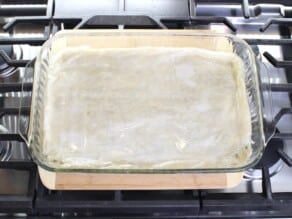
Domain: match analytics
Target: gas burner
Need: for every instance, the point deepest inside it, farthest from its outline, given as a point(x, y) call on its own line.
point(270, 159)
point(13, 52)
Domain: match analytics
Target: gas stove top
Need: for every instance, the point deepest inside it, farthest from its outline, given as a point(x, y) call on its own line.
point(265, 191)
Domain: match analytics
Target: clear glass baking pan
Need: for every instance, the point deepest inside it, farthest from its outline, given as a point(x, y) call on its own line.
point(32, 128)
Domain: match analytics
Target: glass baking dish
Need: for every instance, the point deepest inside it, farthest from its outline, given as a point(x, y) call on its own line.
point(32, 130)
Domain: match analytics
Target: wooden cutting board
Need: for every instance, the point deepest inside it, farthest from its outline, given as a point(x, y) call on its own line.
point(95, 181)
point(98, 181)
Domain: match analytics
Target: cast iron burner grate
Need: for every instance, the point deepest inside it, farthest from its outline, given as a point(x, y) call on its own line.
point(5, 146)
point(270, 160)
point(7, 54)
point(1, 149)
point(40, 202)
point(5, 151)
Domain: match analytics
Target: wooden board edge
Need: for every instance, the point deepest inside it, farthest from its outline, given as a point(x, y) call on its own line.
point(48, 178)
point(96, 181)
point(233, 179)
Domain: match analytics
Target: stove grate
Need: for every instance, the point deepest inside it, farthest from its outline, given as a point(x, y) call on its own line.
point(39, 201)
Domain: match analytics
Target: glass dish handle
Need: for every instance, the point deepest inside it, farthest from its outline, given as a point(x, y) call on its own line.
point(25, 101)
point(267, 102)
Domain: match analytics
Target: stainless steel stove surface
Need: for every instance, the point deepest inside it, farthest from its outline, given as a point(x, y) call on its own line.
point(265, 191)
